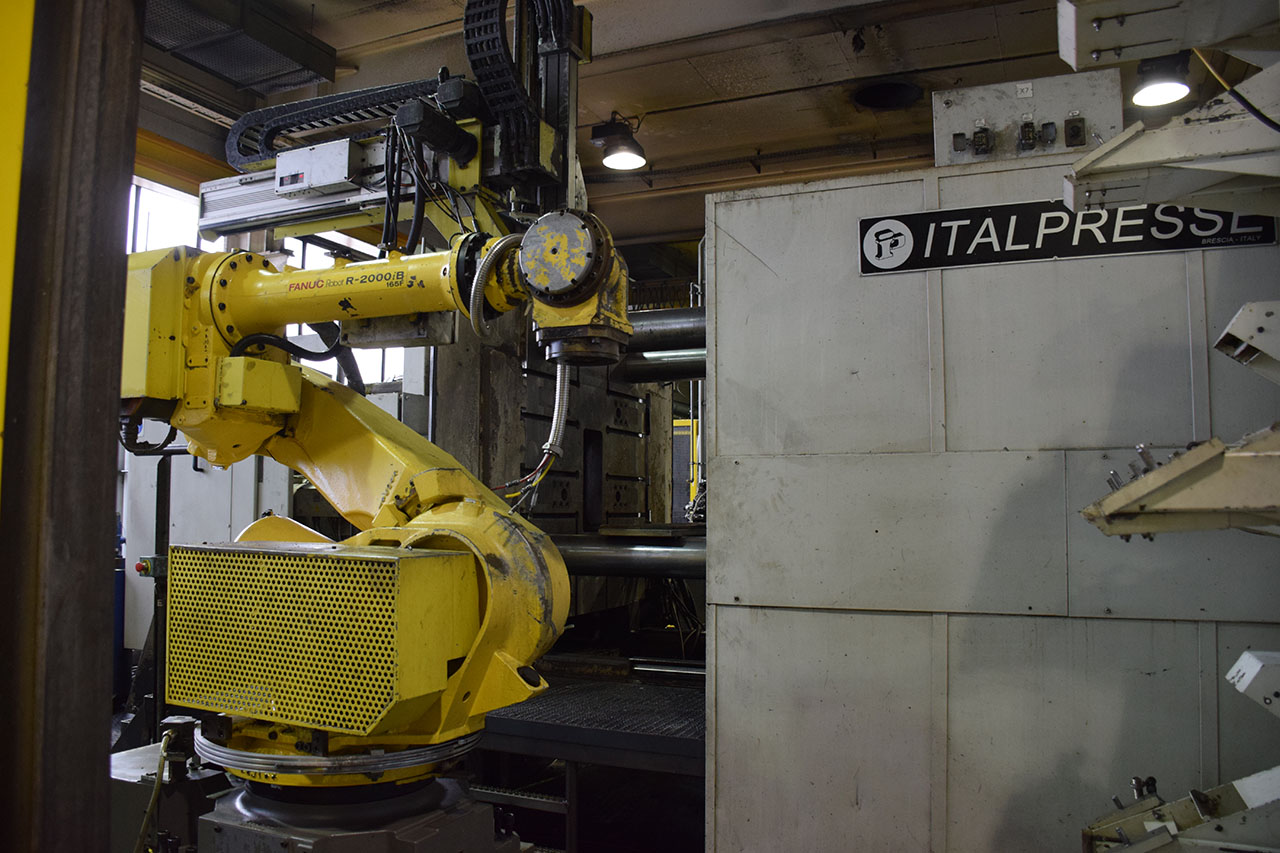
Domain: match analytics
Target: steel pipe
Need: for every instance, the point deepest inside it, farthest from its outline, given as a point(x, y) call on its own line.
point(633, 556)
point(662, 366)
point(668, 329)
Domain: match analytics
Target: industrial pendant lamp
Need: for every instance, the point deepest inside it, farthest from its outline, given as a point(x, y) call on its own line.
point(617, 138)
point(1162, 80)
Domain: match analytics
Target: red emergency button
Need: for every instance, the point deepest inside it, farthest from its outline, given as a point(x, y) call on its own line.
point(140, 568)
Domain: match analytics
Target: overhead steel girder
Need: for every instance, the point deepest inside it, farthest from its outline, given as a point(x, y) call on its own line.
point(1215, 156)
point(1253, 339)
point(1098, 33)
point(1210, 487)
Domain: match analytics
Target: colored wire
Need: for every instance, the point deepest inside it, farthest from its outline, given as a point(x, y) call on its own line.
point(1239, 98)
point(534, 484)
point(517, 481)
point(528, 484)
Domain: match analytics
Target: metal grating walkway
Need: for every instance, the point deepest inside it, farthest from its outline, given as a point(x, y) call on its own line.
point(646, 726)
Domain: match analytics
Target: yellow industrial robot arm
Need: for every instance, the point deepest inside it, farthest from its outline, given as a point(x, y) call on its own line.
point(473, 593)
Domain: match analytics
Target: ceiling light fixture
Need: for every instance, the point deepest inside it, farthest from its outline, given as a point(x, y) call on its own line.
point(617, 138)
point(1162, 80)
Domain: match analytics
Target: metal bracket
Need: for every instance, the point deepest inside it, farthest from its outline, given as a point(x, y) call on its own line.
point(1210, 487)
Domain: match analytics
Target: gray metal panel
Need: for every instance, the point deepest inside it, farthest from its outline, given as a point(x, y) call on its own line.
point(811, 358)
point(1221, 575)
point(138, 513)
point(960, 532)
point(799, 532)
point(1094, 96)
point(1248, 735)
point(201, 502)
point(1070, 354)
point(275, 488)
point(821, 731)
point(212, 505)
point(1240, 401)
point(1050, 717)
point(971, 188)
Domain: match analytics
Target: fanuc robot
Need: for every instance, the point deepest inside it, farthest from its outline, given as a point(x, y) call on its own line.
point(335, 679)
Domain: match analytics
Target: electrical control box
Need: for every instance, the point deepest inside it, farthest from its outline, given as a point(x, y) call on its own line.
point(1029, 118)
point(319, 169)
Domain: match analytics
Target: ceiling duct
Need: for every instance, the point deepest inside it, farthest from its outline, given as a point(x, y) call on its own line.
point(240, 41)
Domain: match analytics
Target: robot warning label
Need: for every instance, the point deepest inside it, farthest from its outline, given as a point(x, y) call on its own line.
point(1037, 231)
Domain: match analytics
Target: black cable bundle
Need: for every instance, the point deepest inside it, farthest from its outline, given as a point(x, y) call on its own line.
point(391, 177)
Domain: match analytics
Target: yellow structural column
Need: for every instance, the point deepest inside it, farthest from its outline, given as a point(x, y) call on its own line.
point(15, 67)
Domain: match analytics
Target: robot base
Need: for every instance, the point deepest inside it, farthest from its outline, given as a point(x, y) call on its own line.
point(432, 817)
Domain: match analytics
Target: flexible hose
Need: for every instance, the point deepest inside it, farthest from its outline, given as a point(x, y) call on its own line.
point(262, 339)
point(155, 795)
point(331, 334)
point(560, 414)
point(478, 324)
point(131, 428)
point(419, 202)
point(391, 173)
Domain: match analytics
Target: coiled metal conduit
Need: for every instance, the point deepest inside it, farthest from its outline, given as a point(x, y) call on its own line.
point(560, 413)
point(479, 325)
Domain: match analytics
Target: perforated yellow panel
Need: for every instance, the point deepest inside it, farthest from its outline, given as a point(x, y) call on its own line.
point(290, 635)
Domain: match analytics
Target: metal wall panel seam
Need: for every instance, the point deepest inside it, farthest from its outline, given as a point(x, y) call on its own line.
point(937, 329)
point(864, 611)
point(1208, 651)
point(940, 668)
point(242, 509)
point(816, 187)
point(1198, 324)
point(993, 451)
point(708, 431)
point(929, 186)
point(1066, 531)
point(863, 181)
point(709, 779)
point(937, 363)
point(709, 296)
point(233, 500)
point(965, 614)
